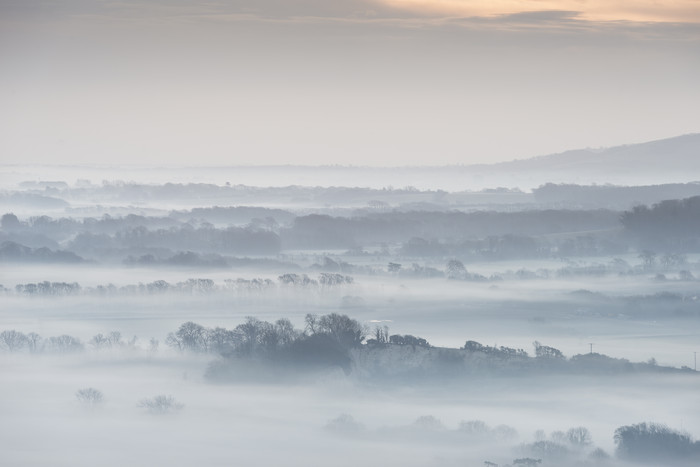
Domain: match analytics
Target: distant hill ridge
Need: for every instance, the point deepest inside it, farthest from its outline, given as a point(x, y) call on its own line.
point(680, 153)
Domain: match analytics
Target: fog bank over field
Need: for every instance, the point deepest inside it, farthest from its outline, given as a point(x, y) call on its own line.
point(351, 232)
point(168, 316)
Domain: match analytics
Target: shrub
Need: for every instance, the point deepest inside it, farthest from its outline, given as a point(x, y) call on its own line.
point(89, 396)
point(160, 404)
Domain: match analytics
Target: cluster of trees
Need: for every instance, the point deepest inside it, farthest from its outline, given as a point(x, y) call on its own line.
point(574, 445)
point(561, 446)
point(262, 338)
point(475, 431)
point(47, 288)
point(655, 443)
point(276, 348)
point(252, 337)
point(324, 279)
point(422, 363)
point(643, 443)
point(497, 352)
point(258, 338)
point(408, 339)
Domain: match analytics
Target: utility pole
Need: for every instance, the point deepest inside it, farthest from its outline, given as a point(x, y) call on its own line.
point(591, 344)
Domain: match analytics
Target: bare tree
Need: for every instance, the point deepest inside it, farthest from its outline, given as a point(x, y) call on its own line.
point(115, 338)
point(285, 330)
point(190, 336)
point(381, 334)
point(250, 333)
point(221, 340)
point(311, 322)
point(348, 332)
point(99, 341)
point(579, 436)
point(13, 340)
point(63, 344)
point(33, 342)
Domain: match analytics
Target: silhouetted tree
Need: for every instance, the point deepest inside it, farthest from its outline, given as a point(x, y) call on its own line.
point(347, 331)
point(543, 351)
point(455, 270)
point(190, 336)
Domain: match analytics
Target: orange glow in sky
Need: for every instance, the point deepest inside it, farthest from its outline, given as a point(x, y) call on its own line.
point(595, 10)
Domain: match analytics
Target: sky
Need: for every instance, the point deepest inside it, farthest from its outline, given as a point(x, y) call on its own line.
point(345, 82)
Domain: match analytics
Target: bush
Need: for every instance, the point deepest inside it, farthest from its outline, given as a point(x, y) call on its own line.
point(160, 404)
point(344, 424)
point(89, 396)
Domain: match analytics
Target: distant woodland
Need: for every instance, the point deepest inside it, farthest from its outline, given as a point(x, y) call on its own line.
point(224, 236)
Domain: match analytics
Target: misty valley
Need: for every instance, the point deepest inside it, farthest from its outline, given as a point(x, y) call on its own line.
point(171, 323)
point(342, 233)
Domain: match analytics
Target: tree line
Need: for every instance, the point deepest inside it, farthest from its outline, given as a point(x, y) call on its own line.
point(196, 286)
point(338, 341)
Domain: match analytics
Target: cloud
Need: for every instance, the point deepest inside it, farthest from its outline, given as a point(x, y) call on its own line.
point(681, 11)
point(592, 10)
